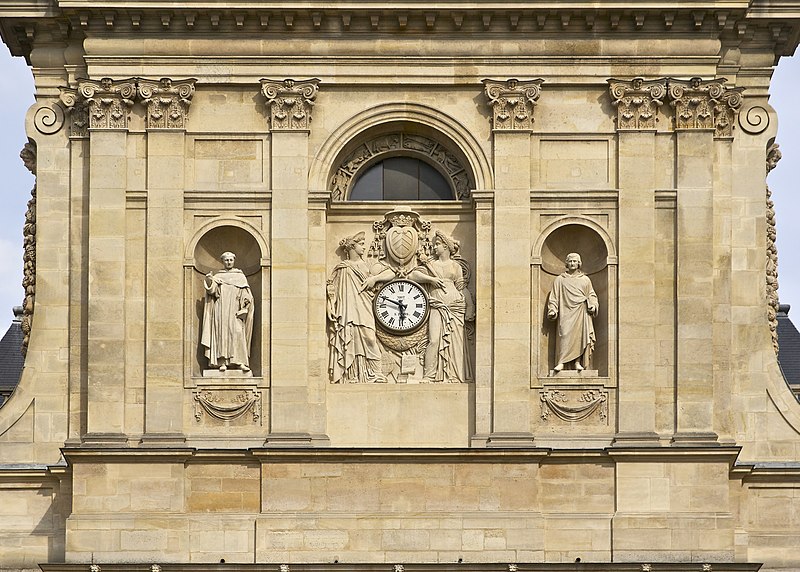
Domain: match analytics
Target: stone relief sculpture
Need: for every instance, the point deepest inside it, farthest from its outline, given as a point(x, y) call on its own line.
point(355, 356)
point(404, 316)
point(451, 306)
point(227, 317)
point(573, 303)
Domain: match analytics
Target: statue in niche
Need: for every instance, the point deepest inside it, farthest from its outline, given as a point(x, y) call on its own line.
point(355, 355)
point(446, 357)
point(573, 302)
point(227, 317)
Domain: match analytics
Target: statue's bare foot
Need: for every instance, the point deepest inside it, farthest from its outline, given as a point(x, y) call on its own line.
point(559, 367)
point(578, 366)
point(223, 367)
point(245, 368)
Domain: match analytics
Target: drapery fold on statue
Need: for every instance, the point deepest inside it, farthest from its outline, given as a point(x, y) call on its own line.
point(570, 298)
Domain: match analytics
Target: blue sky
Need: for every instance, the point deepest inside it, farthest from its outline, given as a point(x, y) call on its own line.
point(16, 95)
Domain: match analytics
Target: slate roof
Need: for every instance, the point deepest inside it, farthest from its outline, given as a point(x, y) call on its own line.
point(11, 359)
point(789, 349)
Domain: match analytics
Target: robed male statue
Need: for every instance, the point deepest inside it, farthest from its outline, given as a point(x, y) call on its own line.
point(573, 303)
point(227, 317)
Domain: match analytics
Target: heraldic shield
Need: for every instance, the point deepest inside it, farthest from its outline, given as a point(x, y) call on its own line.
point(402, 243)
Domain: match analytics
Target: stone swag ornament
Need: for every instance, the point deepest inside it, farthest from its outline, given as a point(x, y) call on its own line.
point(406, 316)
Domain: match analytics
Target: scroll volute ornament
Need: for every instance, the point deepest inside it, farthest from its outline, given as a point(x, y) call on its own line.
point(512, 102)
point(705, 104)
point(290, 102)
point(167, 102)
point(109, 101)
point(637, 102)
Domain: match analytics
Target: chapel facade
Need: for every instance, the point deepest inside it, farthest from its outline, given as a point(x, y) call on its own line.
point(400, 285)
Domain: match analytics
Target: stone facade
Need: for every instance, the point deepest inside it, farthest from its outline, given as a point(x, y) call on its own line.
point(166, 134)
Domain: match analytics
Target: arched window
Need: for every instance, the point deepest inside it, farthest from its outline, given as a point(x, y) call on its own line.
point(401, 179)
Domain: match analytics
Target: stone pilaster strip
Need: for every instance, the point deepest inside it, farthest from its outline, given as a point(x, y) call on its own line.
point(290, 102)
point(705, 104)
point(637, 102)
point(109, 101)
point(512, 102)
point(167, 101)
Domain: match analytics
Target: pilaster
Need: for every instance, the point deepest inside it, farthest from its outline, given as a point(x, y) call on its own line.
point(297, 416)
point(512, 103)
point(167, 107)
point(109, 102)
point(637, 102)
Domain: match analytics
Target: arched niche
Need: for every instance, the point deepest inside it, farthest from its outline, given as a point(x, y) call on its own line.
point(203, 256)
point(584, 236)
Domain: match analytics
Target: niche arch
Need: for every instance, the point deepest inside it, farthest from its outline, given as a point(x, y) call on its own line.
point(449, 136)
point(598, 254)
point(252, 257)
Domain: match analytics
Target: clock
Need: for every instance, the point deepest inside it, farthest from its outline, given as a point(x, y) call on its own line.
point(401, 306)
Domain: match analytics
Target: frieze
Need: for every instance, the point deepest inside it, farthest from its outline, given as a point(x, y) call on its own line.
point(637, 102)
point(410, 144)
point(167, 102)
point(290, 102)
point(512, 102)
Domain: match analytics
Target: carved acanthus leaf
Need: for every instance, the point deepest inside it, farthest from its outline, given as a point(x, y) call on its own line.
point(78, 111)
point(637, 102)
point(512, 102)
point(109, 101)
point(705, 104)
point(290, 102)
point(167, 101)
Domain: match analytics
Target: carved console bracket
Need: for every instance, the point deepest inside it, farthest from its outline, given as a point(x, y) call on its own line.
point(106, 103)
point(698, 103)
point(370, 151)
point(512, 102)
point(573, 405)
point(637, 102)
point(290, 102)
point(227, 404)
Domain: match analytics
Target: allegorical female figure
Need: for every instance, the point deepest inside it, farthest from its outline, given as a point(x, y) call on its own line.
point(355, 356)
point(227, 317)
point(573, 303)
point(446, 357)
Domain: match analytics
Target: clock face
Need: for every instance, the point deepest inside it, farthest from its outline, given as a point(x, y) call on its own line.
point(401, 306)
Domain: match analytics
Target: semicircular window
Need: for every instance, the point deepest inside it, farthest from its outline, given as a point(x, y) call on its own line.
point(401, 179)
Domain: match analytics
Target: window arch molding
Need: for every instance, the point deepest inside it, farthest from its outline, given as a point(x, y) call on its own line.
point(409, 118)
point(378, 148)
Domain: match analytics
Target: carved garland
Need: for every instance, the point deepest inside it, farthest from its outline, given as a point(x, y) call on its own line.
point(773, 156)
point(212, 404)
point(28, 156)
point(556, 401)
point(412, 145)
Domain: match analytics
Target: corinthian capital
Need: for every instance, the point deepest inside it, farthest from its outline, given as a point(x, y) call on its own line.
point(167, 101)
point(512, 102)
point(109, 101)
point(705, 104)
point(290, 102)
point(637, 101)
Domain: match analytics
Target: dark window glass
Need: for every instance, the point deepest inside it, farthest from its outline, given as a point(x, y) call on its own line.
point(401, 179)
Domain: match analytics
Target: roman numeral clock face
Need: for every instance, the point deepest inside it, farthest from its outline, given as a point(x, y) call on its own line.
point(401, 306)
